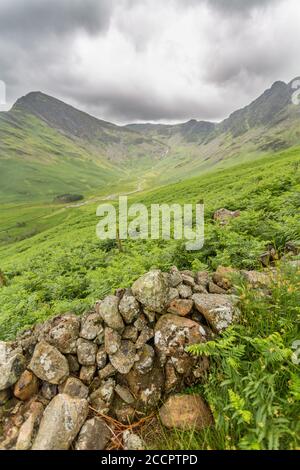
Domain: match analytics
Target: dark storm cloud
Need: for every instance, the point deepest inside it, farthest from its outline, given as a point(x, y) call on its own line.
point(237, 5)
point(129, 60)
point(21, 19)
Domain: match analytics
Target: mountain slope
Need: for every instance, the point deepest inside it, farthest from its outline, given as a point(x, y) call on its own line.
point(270, 123)
point(49, 148)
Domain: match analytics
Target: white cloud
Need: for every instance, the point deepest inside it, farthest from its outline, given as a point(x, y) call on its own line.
point(152, 60)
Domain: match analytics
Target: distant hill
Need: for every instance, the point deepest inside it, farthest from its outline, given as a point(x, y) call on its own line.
point(48, 148)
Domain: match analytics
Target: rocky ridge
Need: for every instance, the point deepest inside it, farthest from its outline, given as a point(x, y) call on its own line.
point(123, 359)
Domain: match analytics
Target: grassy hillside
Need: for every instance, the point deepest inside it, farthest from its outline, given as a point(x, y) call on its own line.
point(48, 148)
point(67, 268)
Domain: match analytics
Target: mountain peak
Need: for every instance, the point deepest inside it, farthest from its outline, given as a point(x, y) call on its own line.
point(32, 98)
point(278, 84)
point(61, 116)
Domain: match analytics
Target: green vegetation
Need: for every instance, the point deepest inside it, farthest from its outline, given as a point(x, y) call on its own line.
point(52, 262)
point(253, 387)
point(65, 267)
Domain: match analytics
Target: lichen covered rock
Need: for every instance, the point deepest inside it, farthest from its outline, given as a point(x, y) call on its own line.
point(49, 364)
point(61, 422)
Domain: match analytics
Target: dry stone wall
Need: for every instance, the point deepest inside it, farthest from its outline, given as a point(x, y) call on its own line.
point(123, 359)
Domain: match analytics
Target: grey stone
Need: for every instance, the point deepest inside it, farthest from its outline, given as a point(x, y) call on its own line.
point(64, 333)
point(215, 289)
point(48, 364)
point(74, 365)
point(130, 333)
point(91, 326)
point(48, 391)
point(109, 311)
point(101, 358)
point(61, 422)
point(124, 394)
point(144, 337)
point(124, 359)
point(219, 310)
point(12, 364)
point(129, 308)
point(132, 441)
point(29, 428)
point(188, 280)
point(87, 374)
point(175, 277)
point(185, 292)
point(151, 290)
point(145, 359)
point(107, 371)
point(86, 352)
point(173, 334)
point(94, 435)
point(74, 388)
point(112, 341)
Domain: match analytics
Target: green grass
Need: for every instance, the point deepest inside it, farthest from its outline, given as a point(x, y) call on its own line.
point(65, 267)
point(253, 387)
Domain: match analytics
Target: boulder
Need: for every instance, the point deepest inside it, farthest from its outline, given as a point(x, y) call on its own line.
point(223, 277)
point(64, 333)
point(87, 374)
point(112, 341)
point(173, 334)
point(123, 360)
point(48, 391)
point(74, 388)
point(109, 311)
point(12, 364)
point(94, 435)
point(151, 290)
point(132, 441)
point(184, 291)
point(181, 307)
point(145, 359)
point(86, 352)
point(202, 278)
point(145, 336)
point(257, 279)
point(175, 277)
point(124, 394)
point(48, 364)
point(27, 386)
point(101, 358)
point(186, 412)
point(29, 428)
point(61, 422)
point(129, 308)
point(91, 326)
point(130, 333)
point(219, 310)
point(215, 289)
point(146, 388)
point(223, 216)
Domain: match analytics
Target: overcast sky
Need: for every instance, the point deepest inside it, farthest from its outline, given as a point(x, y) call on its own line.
point(149, 60)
